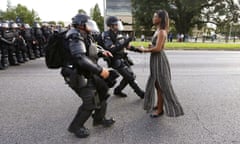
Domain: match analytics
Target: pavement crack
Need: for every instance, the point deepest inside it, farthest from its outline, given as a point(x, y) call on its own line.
point(206, 128)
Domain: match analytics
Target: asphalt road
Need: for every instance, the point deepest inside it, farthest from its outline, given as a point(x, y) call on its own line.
point(36, 106)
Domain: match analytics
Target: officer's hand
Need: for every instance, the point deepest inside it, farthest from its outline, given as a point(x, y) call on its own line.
point(107, 54)
point(105, 73)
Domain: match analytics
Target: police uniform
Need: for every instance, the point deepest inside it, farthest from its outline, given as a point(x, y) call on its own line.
point(120, 61)
point(18, 43)
point(27, 34)
point(8, 49)
point(40, 39)
point(82, 73)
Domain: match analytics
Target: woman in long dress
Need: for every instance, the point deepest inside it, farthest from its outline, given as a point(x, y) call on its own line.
point(160, 75)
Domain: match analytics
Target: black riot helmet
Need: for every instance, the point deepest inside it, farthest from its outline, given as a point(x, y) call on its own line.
point(112, 20)
point(36, 25)
point(85, 21)
point(80, 19)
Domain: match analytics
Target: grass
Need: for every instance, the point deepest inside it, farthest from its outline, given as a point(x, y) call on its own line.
point(194, 46)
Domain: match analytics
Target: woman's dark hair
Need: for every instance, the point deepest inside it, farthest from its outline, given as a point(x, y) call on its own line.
point(163, 15)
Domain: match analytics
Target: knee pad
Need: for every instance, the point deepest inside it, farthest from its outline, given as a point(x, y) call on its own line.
point(127, 73)
point(90, 99)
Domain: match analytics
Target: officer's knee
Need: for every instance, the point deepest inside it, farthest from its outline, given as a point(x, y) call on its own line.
point(90, 99)
point(128, 74)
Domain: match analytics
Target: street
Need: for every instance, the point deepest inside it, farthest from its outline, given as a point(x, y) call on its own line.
point(36, 106)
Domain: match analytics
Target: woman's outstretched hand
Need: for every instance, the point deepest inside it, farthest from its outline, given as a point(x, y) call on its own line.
point(142, 49)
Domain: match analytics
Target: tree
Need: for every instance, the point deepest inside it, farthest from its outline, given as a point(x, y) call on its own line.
point(61, 23)
point(142, 15)
point(184, 13)
point(19, 12)
point(96, 16)
point(224, 15)
point(81, 11)
point(52, 23)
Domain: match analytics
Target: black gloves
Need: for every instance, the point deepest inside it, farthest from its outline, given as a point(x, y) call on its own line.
point(112, 79)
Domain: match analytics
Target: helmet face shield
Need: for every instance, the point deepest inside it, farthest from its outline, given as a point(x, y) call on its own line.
point(92, 26)
point(120, 26)
point(26, 26)
point(38, 25)
point(5, 25)
point(14, 25)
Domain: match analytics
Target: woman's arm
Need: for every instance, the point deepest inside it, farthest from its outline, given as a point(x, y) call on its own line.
point(160, 42)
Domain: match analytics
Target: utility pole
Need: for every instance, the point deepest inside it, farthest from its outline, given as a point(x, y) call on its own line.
point(105, 14)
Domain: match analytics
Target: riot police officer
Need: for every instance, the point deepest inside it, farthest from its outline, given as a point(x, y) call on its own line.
point(26, 33)
point(82, 73)
point(18, 43)
point(2, 40)
point(1, 67)
point(115, 43)
point(40, 40)
point(8, 50)
point(46, 31)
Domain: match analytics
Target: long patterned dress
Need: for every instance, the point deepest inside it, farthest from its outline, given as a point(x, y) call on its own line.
point(160, 73)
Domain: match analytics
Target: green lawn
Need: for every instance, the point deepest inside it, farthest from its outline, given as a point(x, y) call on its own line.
point(190, 45)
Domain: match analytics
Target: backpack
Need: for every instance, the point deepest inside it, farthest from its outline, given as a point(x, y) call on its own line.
point(55, 52)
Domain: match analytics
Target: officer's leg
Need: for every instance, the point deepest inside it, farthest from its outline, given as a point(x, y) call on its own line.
point(12, 56)
point(19, 55)
point(128, 74)
point(4, 60)
point(84, 112)
point(118, 90)
point(41, 48)
point(36, 51)
point(24, 53)
point(30, 50)
point(99, 113)
point(86, 93)
point(1, 66)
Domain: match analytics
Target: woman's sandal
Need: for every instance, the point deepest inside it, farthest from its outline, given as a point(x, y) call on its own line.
point(156, 115)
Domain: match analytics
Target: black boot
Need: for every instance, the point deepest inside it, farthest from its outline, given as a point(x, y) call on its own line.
point(141, 94)
point(120, 87)
point(76, 126)
point(37, 53)
point(104, 122)
point(31, 54)
point(13, 60)
point(99, 116)
point(1, 66)
point(19, 57)
point(25, 57)
point(4, 58)
point(137, 89)
point(82, 132)
point(5, 62)
point(119, 93)
point(42, 53)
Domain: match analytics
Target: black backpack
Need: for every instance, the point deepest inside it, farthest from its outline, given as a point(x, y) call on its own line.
point(56, 51)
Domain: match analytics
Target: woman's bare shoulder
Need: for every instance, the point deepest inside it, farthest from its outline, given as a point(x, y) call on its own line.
point(162, 32)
